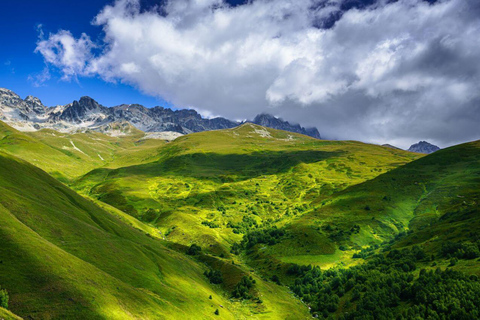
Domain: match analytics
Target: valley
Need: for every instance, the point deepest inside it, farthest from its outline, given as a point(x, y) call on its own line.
point(126, 226)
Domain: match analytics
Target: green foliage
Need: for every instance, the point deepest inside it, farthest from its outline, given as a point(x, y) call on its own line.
point(242, 290)
point(194, 249)
point(338, 234)
point(276, 279)
point(4, 298)
point(268, 236)
point(286, 196)
point(210, 224)
point(63, 257)
point(463, 250)
point(246, 224)
point(385, 288)
point(215, 276)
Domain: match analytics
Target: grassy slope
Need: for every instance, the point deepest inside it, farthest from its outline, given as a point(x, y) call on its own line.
point(222, 176)
point(64, 257)
point(267, 175)
point(7, 315)
point(67, 156)
point(435, 198)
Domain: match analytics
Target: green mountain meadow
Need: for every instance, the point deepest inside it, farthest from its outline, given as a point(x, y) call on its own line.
point(242, 223)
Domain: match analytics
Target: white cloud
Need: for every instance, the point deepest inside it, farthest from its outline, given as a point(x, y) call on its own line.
point(39, 79)
point(62, 50)
point(399, 71)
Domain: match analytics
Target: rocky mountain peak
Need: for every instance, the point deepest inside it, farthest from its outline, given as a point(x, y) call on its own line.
point(33, 99)
point(423, 147)
point(88, 103)
point(9, 98)
point(270, 121)
point(35, 104)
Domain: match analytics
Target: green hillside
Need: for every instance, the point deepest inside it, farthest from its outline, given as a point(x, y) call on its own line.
point(423, 215)
point(7, 315)
point(64, 257)
point(209, 188)
point(68, 156)
point(420, 200)
point(254, 222)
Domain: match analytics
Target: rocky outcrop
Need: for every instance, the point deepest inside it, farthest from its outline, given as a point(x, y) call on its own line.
point(270, 121)
point(87, 114)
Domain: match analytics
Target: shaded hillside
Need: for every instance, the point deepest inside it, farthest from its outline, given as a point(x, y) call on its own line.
point(64, 257)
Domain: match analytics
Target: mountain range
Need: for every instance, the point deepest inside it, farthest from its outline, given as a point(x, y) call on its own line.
point(30, 114)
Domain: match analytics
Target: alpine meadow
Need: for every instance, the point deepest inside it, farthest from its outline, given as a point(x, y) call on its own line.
point(231, 159)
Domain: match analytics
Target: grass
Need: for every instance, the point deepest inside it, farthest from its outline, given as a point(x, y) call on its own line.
point(65, 257)
point(432, 200)
point(7, 315)
point(68, 156)
point(223, 177)
point(121, 252)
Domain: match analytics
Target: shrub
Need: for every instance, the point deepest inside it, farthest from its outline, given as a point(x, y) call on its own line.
point(4, 298)
point(276, 279)
point(214, 276)
point(242, 289)
point(194, 250)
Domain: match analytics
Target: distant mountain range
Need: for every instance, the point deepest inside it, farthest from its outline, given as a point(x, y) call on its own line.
point(30, 114)
point(423, 147)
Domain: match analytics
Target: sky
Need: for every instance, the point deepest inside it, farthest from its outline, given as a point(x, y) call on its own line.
point(380, 71)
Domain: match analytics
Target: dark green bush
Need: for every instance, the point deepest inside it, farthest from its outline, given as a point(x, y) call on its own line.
point(4, 298)
point(214, 276)
point(194, 249)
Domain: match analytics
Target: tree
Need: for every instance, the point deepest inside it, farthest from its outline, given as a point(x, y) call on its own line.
point(217, 312)
point(214, 276)
point(194, 249)
point(4, 298)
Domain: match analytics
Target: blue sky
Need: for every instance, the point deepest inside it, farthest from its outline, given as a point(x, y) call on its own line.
point(18, 61)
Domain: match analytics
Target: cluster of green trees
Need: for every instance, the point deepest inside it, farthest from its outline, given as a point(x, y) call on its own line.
point(214, 276)
point(246, 224)
point(465, 250)
point(210, 224)
point(268, 236)
point(194, 249)
point(365, 252)
point(386, 288)
point(242, 289)
point(338, 234)
point(4, 298)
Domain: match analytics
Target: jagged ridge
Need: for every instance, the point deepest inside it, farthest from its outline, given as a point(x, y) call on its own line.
point(30, 115)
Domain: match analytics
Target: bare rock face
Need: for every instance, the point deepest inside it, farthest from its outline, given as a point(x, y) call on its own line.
point(270, 121)
point(87, 114)
point(423, 147)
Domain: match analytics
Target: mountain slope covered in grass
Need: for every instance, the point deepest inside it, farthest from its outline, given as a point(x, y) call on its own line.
point(68, 156)
point(65, 257)
point(423, 215)
point(254, 222)
point(211, 187)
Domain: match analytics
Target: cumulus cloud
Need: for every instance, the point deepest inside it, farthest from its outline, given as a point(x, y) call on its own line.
point(390, 72)
point(62, 50)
